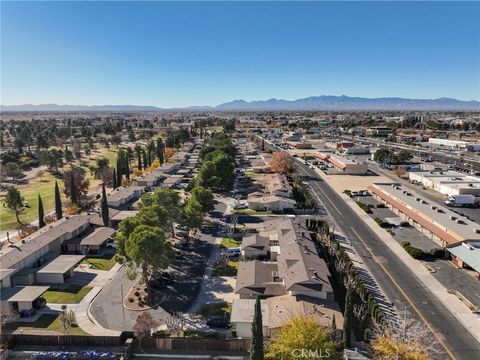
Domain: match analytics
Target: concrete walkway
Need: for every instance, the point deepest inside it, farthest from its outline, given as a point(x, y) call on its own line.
point(468, 319)
point(211, 286)
point(82, 310)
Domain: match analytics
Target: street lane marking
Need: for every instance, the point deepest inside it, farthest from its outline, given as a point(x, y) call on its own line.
point(324, 194)
point(406, 297)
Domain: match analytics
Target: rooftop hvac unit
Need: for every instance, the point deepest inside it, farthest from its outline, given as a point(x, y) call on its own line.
point(453, 218)
point(476, 231)
point(418, 199)
point(433, 207)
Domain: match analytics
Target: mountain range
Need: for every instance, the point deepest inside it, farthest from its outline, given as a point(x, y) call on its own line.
point(321, 103)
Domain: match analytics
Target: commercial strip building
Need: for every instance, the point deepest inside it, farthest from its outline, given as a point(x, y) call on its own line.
point(288, 273)
point(447, 182)
point(344, 164)
point(459, 235)
point(455, 144)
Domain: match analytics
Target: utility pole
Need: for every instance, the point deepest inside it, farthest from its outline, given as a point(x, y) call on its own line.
point(123, 307)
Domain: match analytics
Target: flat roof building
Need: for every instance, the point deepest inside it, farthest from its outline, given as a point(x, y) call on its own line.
point(58, 270)
point(448, 227)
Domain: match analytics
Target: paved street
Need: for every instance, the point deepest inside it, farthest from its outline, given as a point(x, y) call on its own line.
point(403, 283)
point(107, 308)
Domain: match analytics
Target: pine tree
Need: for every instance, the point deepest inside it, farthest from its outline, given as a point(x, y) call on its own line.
point(58, 202)
point(41, 213)
point(256, 349)
point(159, 149)
point(144, 158)
point(127, 168)
point(104, 205)
point(333, 328)
point(119, 173)
point(115, 184)
point(139, 160)
point(347, 319)
point(73, 190)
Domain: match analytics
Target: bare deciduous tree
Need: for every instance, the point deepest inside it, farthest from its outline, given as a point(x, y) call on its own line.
point(144, 326)
point(175, 323)
point(360, 311)
point(406, 338)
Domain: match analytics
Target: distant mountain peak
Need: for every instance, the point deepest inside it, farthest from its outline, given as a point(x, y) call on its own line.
point(312, 103)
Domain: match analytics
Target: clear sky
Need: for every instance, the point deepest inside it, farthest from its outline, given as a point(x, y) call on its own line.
point(192, 53)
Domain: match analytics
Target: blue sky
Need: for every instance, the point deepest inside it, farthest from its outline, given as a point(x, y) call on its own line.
point(181, 53)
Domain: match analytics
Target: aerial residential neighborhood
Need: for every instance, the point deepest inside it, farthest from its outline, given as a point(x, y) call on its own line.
point(157, 202)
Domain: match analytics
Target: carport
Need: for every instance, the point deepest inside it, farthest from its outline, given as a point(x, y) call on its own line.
point(20, 298)
point(58, 270)
point(93, 243)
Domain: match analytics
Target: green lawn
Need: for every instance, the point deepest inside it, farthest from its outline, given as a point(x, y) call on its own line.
point(44, 186)
point(72, 295)
point(231, 243)
point(102, 263)
point(229, 270)
point(49, 322)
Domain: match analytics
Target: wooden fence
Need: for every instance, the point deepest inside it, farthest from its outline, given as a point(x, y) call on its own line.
point(62, 340)
point(196, 344)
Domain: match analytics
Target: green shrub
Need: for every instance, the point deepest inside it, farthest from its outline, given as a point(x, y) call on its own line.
point(364, 207)
point(348, 192)
point(437, 253)
point(162, 333)
point(404, 243)
point(414, 252)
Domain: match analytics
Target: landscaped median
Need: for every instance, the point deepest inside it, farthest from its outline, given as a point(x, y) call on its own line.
point(70, 295)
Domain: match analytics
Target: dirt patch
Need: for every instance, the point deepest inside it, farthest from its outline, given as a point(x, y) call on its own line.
point(138, 298)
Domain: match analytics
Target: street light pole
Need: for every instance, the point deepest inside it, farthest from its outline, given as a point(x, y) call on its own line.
point(123, 307)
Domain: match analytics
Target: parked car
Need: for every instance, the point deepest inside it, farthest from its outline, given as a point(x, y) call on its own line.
point(233, 252)
point(180, 245)
point(111, 245)
point(39, 303)
point(240, 206)
point(156, 284)
point(181, 233)
point(218, 321)
point(167, 277)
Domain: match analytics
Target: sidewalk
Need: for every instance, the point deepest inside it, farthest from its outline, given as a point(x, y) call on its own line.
point(85, 320)
point(206, 277)
point(469, 320)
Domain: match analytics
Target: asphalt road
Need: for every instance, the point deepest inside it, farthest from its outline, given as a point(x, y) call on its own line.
point(107, 307)
point(398, 282)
